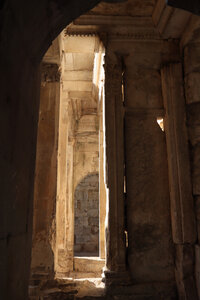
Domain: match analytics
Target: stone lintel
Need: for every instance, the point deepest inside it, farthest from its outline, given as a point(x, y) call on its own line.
point(89, 25)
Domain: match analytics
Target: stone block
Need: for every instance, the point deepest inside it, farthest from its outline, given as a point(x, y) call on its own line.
point(93, 221)
point(196, 170)
point(94, 230)
point(77, 86)
point(15, 261)
point(148, 54)
point(80, 45)
point(42, 256)
point(143, 88)
point(186, 287)
point(77, 75)
point(3, 264)
point(79, 61)
point(197, 211)
point(184, 260)
point(197, 268)
point(192, 112)
point(192, 87)
point(148, 201)
point(193, 122)
point(64, 262)
point(194, 134)
point(93, 213)
point(92, 193)
point(192, 58)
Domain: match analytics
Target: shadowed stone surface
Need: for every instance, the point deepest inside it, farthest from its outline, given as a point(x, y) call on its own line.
point(26, 31)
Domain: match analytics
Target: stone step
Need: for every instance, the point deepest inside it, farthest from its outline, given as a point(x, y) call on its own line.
point(93, 265)
point(119, 297)
point(82, 275)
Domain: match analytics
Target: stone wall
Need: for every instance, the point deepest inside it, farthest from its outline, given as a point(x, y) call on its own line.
point(86, 187)
point(26, 32)
point(147, 186)
point(86, 201)
point(27, 29)
point(192, 91)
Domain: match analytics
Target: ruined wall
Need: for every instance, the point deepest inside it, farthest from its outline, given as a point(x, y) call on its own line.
point(86, 187)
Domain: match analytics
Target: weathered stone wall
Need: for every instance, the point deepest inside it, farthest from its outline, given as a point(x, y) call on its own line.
point(192, 93)
point(86, 201)
point(150, 247)
point(26, 32)
point(86, 187)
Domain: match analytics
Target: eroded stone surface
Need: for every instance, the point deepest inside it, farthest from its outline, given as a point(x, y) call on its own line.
point(26, 30)
point(86, 228)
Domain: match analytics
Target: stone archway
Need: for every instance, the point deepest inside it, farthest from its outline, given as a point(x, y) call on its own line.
point(27, 29)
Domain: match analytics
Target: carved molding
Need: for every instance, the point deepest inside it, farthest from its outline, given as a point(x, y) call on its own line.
point(129, 27)
point(113, 20)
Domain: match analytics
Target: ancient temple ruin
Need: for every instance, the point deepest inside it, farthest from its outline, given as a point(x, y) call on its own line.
point(114, 162)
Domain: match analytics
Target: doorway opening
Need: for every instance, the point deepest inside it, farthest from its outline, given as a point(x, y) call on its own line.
point(71, 126)
point(83, 207)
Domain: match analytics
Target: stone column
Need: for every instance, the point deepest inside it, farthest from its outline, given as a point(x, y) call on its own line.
point(69, 223)
point(46, 174)
point(182, 210)
point(64, 212)
point(192, 93)
point(102, 190)
point(114, 121)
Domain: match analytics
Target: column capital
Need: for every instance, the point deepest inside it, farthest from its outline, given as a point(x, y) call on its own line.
point(50, 72)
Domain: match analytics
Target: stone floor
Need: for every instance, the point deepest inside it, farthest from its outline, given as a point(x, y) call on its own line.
point(95, 289)
point(86, 283)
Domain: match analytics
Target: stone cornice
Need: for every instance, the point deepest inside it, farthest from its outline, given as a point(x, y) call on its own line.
point(131, 27)
point(113, 20)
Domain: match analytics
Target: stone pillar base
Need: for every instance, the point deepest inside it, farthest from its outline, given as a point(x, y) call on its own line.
point(112, 278)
